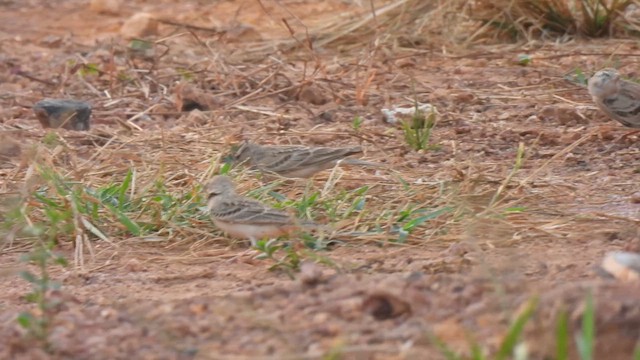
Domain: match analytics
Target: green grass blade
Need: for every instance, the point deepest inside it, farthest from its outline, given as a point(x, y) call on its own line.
point(511, 340)
point(26, 275)
point(225, 168)
point(46, 201)
point(586, 339)
point(131, 225)
point(94, 230)
point(562, 337)
point(476, 351)
point(122, 190)
point(25, 320)
point(419, 220)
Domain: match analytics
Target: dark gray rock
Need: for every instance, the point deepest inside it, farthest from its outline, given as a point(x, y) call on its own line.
point(68, 114)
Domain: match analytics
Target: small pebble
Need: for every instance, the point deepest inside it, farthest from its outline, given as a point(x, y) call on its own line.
point(382, 306)
point(313, 95)
point(622, 265)
point(51, 41)
point(243, 32)
point(139, 25)
point(109, 7)
point(9, 147)
point(310, 273)
point(68, 114)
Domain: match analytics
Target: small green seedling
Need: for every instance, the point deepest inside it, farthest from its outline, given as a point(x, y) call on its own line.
point(38, 323)
point(524, 59)
point(356, 123)
point(417, 130)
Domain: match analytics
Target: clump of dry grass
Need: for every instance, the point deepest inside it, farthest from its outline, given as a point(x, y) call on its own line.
point(529, 19)
point(396, 24)
point(428, 24)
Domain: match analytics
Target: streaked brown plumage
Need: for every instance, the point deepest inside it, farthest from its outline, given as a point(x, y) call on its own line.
point(618, 98)
point(296, 161)
point(246, 218)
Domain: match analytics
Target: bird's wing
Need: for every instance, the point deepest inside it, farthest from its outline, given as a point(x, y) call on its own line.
point(625, 106)
point(240, 210)
point(296, 157)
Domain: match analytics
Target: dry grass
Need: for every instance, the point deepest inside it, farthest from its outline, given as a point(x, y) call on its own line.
point(416, 24)
point(494, 182)
point(532, 19)
point(181, 158)
point(396, 24)
point(242, 106)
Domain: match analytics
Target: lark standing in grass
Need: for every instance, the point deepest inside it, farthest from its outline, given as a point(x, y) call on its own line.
point(618, 98)
point(246, 218)
point(296, 161)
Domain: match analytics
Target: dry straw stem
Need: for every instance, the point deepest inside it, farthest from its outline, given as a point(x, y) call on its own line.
point(495, 201)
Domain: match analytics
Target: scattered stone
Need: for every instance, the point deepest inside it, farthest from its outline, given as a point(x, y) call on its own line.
point(68, 114)
point(464, 129)
point(622, 265)
point(313, 95)
point(190, 98)
point(635, 197)
point(460, 248)
point(466, 98)
point(399, 114)
point(9, 148)
point(243, 32)
point(195, 117)
point(617, 318)
point(51, 41)
point(563, 114)
point(310, 273)
point(134, 265)
point(383, 306)
point(403, 63)
point(139, 25)
point(327, 116)
point(108, 7)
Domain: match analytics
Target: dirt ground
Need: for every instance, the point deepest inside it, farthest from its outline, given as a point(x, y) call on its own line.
point(461, 277)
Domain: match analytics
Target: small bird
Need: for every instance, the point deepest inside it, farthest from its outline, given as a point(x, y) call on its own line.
point(246, 218)
point(296, 161)
point(618, 98)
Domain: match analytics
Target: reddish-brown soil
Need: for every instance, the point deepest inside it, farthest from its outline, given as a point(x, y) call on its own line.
point(465, 277)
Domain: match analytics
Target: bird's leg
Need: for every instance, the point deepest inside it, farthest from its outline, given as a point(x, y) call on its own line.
point(625, 136)
point(248, 254)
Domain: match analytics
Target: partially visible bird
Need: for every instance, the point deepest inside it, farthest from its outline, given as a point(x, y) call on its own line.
point(618, 98)
point(246, 218)
point(296, 161)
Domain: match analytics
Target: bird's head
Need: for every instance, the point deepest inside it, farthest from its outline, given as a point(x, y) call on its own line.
point(219, 185)
point(604, 83)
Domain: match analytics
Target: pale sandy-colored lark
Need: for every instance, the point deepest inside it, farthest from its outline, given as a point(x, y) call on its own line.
point(616, 97)
point(246, 218)
point(296, 161)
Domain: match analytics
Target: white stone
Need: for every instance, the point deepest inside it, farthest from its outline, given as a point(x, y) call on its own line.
point(109, 7)
point(139, 25)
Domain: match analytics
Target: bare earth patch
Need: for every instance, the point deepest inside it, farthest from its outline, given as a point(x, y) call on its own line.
point(505, 236)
